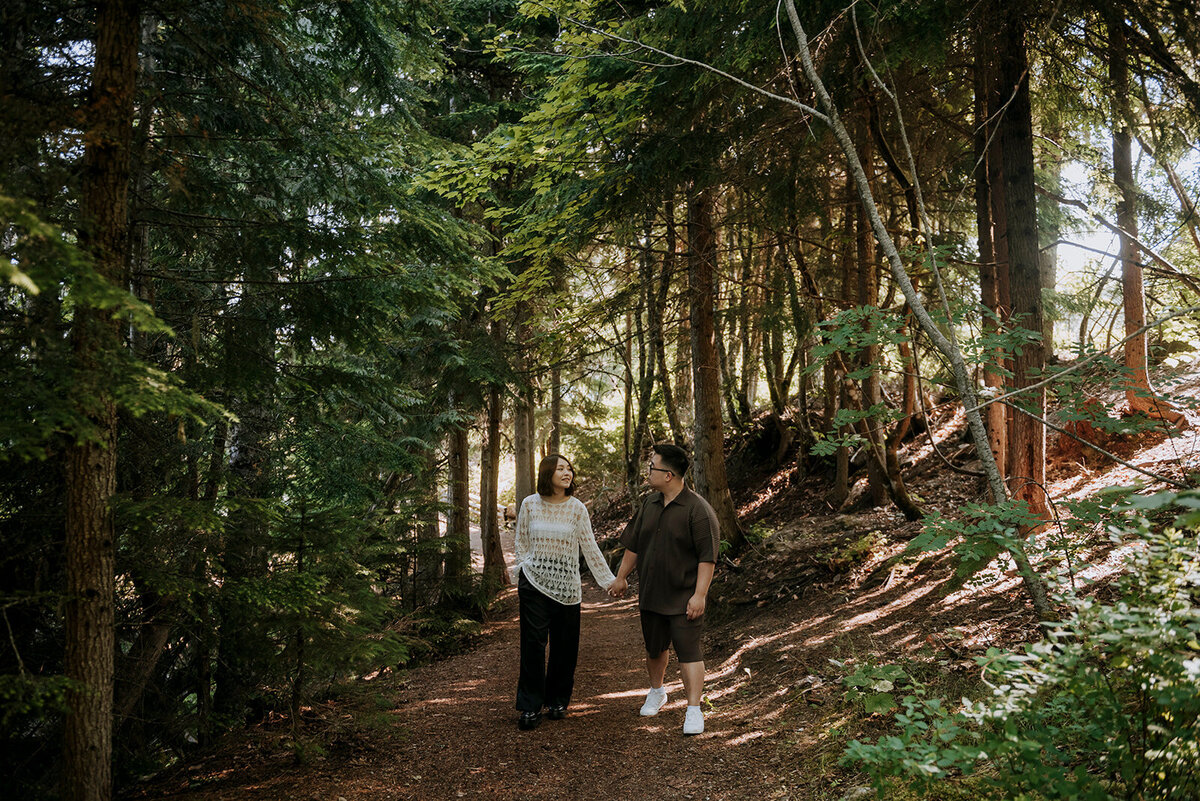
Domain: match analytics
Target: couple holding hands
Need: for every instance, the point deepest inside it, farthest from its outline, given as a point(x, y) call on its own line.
point(673, 541)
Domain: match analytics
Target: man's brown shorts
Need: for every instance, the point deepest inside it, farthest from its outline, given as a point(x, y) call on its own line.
point(661, 631)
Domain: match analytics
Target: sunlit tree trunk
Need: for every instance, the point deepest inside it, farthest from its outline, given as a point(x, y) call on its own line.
point(992, 232)
point(1027, 436)
point(1139, 393)
point(523, 444)
point(1051, 224)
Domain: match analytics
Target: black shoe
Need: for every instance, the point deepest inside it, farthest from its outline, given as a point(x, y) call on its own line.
point(557, 712)
point(529, 720)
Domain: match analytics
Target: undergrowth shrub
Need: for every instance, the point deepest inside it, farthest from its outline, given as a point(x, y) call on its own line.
point(1107, 705)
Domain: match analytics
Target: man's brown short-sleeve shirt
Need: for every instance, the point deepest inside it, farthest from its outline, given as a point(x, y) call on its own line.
point(670, 542)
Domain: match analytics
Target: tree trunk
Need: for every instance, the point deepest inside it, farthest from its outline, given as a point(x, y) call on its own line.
point(554, 441)
point(137, 666)
point(684, 397)
point(1027, 436)
point(750, 329)
point(992, 238)
point(835, 376)
point(203, 679)
point(867, 294)
point(494, 573)
point(728, 380)
point(91, 463)
point(427, 567)
point(709, 464)
point(658, 332)
point(1051, 230)
point(647, 356)
point(1139, 393)
point(802, 324)
point(523, 448)
point(458, 522)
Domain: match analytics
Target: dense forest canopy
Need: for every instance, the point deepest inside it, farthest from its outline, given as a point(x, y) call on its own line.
point(295, 294)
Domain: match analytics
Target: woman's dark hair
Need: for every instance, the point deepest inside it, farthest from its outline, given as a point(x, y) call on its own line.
point(546, 469)
point(674, 458)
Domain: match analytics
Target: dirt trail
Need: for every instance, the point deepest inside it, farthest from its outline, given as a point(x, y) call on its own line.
point(448, 730)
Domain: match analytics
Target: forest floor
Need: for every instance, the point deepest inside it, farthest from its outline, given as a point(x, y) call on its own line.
point(818, 592)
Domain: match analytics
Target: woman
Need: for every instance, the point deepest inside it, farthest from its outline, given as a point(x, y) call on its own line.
point(552, 527)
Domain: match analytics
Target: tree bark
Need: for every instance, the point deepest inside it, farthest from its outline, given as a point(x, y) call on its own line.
point(91, 462)
point(494, 572)
point(1027, 437)
point(866, 293)
point(427, 567)
point(554, 440)
point(523, 447)
point(647, 358)
point(1139, 393)
point(1051, 230)
point(658, 332)
point(458, 522)
point(992, 234)
point(709, 438)
point(836, 374)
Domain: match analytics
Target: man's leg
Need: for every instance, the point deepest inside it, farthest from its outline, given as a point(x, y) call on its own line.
point(656, 634)
point(693, 681)
point(687, 634)
point(656, 667)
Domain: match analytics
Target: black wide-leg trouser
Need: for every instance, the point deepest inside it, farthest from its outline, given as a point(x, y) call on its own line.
point(544, 620)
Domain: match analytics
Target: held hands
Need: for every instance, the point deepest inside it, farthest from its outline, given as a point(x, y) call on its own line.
point(695, 607)
point(618, 587)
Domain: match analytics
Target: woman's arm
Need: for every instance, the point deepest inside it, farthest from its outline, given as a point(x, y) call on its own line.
point(521, 539)
point(591, 551)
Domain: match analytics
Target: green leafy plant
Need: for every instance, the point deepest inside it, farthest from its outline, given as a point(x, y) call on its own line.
point(1107, 705)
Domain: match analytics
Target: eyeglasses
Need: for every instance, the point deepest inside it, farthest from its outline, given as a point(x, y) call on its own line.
point(652, 468)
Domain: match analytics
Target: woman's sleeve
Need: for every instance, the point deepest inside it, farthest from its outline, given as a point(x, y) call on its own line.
point(521, 539)
point(591, 551)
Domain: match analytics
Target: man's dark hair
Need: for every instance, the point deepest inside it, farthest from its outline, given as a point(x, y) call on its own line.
point(546, 469)
point(674, 458)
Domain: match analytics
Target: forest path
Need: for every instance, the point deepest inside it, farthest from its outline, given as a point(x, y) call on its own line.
point(448, 730)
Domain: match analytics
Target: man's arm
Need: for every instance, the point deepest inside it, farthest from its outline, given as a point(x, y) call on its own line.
point(618, 587)
point(704, 576)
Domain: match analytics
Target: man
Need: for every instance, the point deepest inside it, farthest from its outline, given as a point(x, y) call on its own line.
point(673, 541)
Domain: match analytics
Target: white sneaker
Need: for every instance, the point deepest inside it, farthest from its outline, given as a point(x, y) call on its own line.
point(654, 701)
point(693, 721)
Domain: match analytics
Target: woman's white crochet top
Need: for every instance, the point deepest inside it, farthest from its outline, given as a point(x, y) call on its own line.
point(549, 538)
